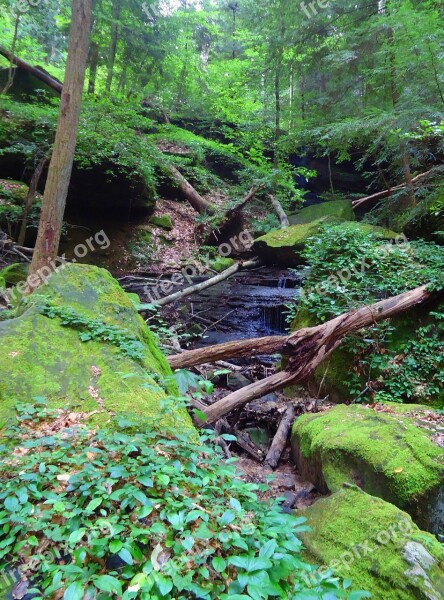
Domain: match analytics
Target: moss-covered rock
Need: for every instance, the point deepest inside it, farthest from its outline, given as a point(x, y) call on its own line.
point(385, 454)
point(163, 221)
point(220, 263)
point(339, 209)
point(40, 357)
point(285, 246)
point(376, 545)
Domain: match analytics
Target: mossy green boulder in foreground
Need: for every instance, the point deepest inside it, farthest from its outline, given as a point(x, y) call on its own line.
point(387, 455)
point(285, 246)
point(376, 545)
point(340, 209)
point(40, 357)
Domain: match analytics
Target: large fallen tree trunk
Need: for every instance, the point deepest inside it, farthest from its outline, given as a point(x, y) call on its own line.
point(305, 349)
point(39, 73)
point(379, 195)
point(198, 287)
point(199, 204)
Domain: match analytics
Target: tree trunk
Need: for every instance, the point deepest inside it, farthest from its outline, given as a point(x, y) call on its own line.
point(232, 215)
point(93, 63)
point(306, 349)
point(277, 103)
point(30, 197)
point(115, 14)
point(282, 215)
point(59, 173)
point(42, 75)
point(10, 79)
point(199, 204)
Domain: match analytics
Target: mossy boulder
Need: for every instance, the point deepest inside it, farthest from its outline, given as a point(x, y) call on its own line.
point(220, 263)
point(385, 454)
point(339, 209)
point(374, 544)
point(285, 246)
point(163, 221)
point(40, 357)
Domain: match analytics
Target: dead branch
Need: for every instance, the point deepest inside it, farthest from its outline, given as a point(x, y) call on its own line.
point(280, 439)
point(36, 71)
point(198, 287)
point(305, 349)
point(282, 215)
point(379, 195)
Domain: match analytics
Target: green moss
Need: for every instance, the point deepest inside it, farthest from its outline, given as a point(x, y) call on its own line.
point(285, 246)
point(39, 357)
point(372, 542)
point(221, 263)
point(340, 209)
point(13, 274)
point(163, 221)
point(384, 454)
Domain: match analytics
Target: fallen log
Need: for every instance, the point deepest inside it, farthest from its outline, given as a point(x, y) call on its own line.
point(280, 439)
point(379, 195)
point(199, 204)
point(282, 215)
point(198, 287)
point(36, 71)
point(305, 349)
point(232, 214)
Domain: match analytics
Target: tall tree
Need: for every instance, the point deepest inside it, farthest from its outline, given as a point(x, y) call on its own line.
point(59, 174)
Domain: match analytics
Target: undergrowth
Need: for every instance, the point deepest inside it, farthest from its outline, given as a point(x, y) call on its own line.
point(99, 514)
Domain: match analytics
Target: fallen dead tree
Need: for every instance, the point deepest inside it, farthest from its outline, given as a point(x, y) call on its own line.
point(36, 71)
point(305, 349)
point(233, 214)
point(277, 206)
point(199, 204)
point(198, 287)
point(385, 193)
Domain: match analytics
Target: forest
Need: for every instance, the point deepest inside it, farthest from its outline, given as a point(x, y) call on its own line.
point(221, 299)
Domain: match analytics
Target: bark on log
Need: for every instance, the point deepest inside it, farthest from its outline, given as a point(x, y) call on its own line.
point(282, 216)
point(232, 214)
point(201, 286)
point(199, 204)
point(306, 349)
point(30, 197)
point(40, 74)
point(280, 439)
point(379, 195)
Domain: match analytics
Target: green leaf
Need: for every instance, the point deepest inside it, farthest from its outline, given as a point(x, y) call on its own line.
point(219, 564)
point(115, 546)
point(146, 481)
point(125, 555)
point(93, 504)
point(75, 591)
point(76, 536)
point(268, 549)
point(164, 584)
point(11, 503)
point(107, 583)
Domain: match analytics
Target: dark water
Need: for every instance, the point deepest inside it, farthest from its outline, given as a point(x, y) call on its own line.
point(249, 304)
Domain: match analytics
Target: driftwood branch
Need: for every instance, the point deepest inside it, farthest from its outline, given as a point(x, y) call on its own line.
point(305, 349)
point(282, 215)
point(379, 195)
point(198, 287)
point(36, 71)
point(280, 439)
